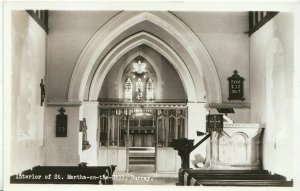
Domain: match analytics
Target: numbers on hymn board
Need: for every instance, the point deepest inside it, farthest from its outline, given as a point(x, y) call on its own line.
point(236, 91)
point(235, 86)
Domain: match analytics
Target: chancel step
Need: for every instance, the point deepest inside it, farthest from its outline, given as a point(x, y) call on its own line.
point(141, 155)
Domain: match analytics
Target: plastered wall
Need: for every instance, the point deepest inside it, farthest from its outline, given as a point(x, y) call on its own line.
point(28, 68)
point(223, 35)
point(68, 35)
point(62, 151)
point(271, 74)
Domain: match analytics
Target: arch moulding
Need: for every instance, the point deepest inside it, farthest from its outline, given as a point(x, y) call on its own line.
point(199, 76)
point(132, 42)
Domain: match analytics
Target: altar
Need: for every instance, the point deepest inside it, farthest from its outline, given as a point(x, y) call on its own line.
point(238, 146)
point(140, 137)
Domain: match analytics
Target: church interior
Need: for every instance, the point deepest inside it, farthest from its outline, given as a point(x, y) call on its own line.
point(116, 88)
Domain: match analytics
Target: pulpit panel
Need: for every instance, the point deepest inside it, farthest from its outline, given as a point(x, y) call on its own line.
point(239, 154)
point(224, 149)
point(238, 146)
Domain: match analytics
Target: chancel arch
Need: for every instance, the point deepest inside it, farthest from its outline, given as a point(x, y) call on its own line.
point(198, 70)
point(157, 44)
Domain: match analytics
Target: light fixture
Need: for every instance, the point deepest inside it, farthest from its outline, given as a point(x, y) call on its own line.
point(142, 112)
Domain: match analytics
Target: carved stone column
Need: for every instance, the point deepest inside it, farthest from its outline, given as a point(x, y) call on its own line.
point(215, 147)
point(248, 150)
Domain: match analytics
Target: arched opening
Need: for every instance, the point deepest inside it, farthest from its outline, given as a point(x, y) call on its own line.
point(168, 85)
point(193, 55)
point(119, 124)
point(127, 121)
point(155, 43)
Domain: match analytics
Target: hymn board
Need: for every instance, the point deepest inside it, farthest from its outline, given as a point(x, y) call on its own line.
point(236, 87)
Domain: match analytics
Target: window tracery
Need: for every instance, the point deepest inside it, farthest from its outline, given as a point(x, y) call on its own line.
point(138, 83)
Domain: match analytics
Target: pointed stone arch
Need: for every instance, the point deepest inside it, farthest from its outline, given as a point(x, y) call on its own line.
point(132, 42)
point(193, 63)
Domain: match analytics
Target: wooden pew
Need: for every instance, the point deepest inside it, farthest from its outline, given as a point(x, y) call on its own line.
point(65, 175)
point(190, 177)
point(183, 173)
point(272, 183)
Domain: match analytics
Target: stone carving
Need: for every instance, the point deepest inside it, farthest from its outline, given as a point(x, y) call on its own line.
point(235, 148)
point(224, 147)
point(83, 128)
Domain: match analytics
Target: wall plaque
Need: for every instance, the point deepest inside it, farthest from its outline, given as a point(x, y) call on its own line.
point(236, 87)
point(61, 123)
point(214, 123)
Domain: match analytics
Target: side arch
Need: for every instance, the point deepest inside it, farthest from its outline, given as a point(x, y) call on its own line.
point(197, 60)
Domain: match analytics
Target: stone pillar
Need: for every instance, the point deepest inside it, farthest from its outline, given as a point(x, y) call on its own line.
point(249, 150)
point(90, 113)
point(196, 122)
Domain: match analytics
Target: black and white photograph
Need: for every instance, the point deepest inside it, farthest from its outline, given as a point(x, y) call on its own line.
point(151, 95)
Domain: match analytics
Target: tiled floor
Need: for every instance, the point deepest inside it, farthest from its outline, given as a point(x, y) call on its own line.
point(144, 175)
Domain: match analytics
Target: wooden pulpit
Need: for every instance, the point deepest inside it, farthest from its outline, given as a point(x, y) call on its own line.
point(185, 147)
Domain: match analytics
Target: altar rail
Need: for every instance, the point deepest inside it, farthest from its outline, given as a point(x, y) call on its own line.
point(65, 175)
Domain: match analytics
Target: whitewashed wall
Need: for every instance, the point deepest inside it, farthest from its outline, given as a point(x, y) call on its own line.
point(68, 35)
point(90, 113)
point(271, 74)
point(28, 68)
point(223, 35)
point(62, 151)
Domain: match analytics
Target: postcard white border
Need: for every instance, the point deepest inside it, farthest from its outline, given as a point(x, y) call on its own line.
point(176, 5)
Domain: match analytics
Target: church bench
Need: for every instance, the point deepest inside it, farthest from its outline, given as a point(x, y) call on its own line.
point(190, 177)
point(248, 177)
point(65, 175)
point(236, 176)
point(184, 172)
point(224, 182)
point(226, 171)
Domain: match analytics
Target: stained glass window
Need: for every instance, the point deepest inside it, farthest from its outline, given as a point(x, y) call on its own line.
point(149, 89)
point(139, 82)
point(139, 89)
point(128, 90)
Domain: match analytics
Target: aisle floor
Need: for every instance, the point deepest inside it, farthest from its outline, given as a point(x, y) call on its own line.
point(144, 175)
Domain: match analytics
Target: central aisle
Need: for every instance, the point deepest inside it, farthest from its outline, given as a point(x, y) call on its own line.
point(144, 175)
